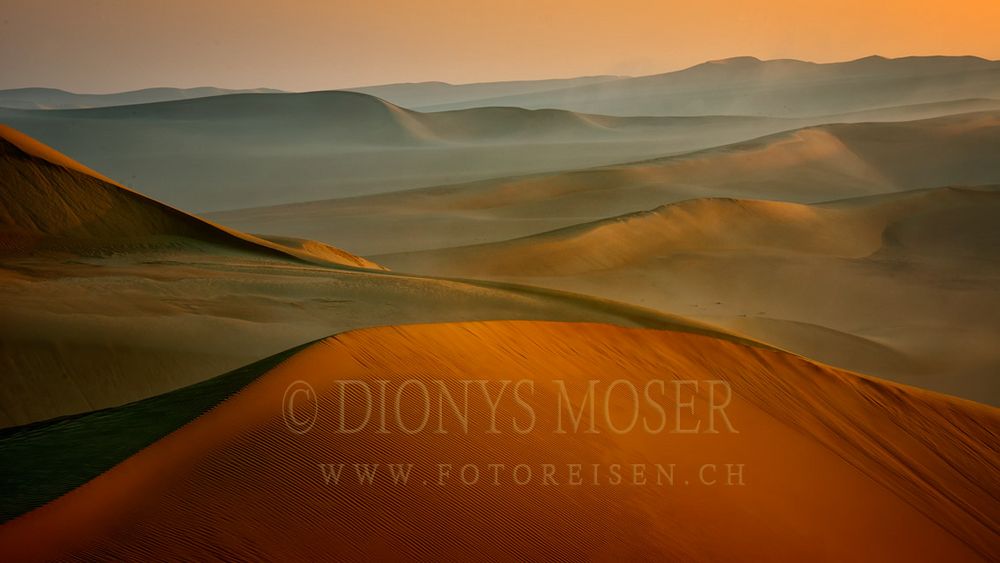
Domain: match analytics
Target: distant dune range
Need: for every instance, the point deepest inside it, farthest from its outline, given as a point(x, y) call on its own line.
point(248, 150)
point(836, 466)
point(813, 164)
point(109, 296)
point(749, 86)
point(734, 86)
point(242, 150)
point(901, 286)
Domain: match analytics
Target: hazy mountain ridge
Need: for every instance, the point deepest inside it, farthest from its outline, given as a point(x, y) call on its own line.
point(418, 94)
point(54, 98)
point(785, 88)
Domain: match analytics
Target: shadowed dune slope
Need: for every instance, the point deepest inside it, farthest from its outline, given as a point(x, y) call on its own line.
point(52, 202)
point(807, 165)
point(836, 466)
point(899, 285)
point(44, 460)
point(784, 87)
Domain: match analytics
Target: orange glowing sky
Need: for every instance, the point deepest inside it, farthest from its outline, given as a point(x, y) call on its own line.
point(110, 45)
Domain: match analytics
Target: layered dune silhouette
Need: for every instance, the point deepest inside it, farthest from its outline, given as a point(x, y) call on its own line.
point(806, 165)
point(253, 149)
point(832, 281)
point(242, 150)
point(837, 465)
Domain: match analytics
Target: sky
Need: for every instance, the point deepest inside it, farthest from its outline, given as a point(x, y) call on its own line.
point(299, 45)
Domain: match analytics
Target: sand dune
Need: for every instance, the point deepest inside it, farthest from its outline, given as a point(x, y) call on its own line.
point(836, 466)
point(729, 225)
point(51, 202)
point(52, 98)
point(788, 88)
point(807, 165)
point(100, 283)
point(255, 149)
point(855, 228)
point(894, 285)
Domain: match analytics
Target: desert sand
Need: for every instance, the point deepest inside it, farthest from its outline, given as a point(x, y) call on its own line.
point(838, 466)
point(819, 239)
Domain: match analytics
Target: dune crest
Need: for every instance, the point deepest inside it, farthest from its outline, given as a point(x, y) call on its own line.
point(53, 202)
point(875, 284)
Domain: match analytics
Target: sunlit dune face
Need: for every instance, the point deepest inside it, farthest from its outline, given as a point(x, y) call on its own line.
point(247, 480)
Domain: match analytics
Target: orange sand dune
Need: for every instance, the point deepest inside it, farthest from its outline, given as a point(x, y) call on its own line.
point(50, 201)
point(837, 466)
point(894, 285)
